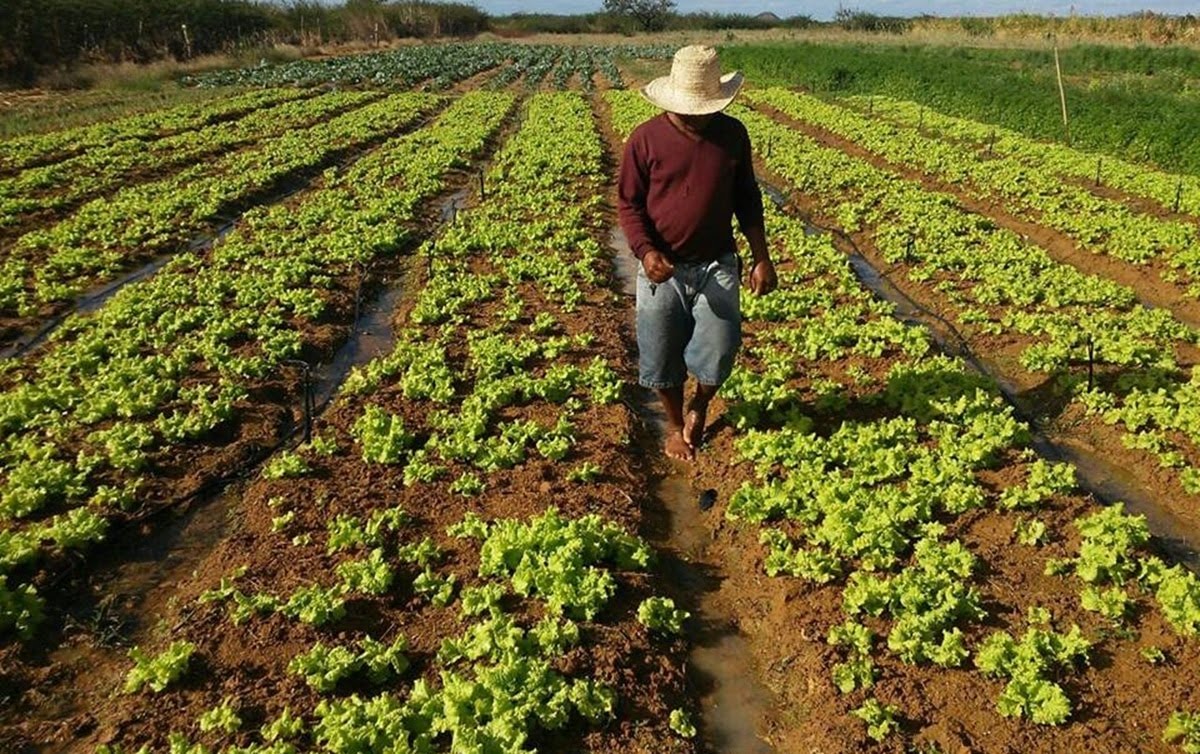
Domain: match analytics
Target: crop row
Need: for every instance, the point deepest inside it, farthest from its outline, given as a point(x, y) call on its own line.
point(1027, 188)
point(1176, 192)
point(48, 189)
point(121, 399)
point(439, 65)
point(530, 63)
point(106, 235)
point(1125, 363)
point(453, 608)
point(898, 487)
point(36, 149)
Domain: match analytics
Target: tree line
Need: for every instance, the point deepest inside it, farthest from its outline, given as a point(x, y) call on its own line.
point(37, 34)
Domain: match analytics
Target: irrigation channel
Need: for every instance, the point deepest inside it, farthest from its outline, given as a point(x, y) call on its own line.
point(130, 597)
point(734, 703)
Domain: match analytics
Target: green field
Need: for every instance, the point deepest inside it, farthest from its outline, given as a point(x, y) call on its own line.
point(319, 428)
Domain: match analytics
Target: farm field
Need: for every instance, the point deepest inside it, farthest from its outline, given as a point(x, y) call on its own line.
point(319, 431)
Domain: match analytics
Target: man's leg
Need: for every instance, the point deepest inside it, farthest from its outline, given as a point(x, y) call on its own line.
point(676, 444)
point(716, 337)
point(696, 417)
point(663, 329)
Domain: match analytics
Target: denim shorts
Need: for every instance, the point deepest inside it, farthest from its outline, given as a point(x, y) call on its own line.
point(691, 323)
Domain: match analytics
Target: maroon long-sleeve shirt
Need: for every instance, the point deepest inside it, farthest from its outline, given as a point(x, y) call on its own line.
point(678, 194)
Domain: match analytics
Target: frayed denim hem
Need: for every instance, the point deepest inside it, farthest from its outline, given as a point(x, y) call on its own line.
point(651, 385)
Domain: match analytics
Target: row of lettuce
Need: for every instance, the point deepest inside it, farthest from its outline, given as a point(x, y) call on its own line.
point(440, 66)
point(1179, 192)
point(494, 376)
point(87, 426)
point(111, 233)
point(1029, 188)
point(995, 282)
point(36, 149)
point(872, 507)
point(47, 191)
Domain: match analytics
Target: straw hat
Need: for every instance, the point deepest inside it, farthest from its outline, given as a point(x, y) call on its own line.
point(695, 86)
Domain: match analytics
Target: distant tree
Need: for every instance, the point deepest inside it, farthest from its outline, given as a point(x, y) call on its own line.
point(651, 15)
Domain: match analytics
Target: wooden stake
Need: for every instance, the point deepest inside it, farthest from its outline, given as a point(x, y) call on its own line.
point(992, 141)
point(1178, 194)
point(482, 192)
point(1099, 161)
point(1062, 93)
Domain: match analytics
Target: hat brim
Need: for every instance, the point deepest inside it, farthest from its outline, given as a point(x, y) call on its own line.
point(661, 93)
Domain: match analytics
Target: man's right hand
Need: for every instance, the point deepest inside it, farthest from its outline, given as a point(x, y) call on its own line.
point(658, 268)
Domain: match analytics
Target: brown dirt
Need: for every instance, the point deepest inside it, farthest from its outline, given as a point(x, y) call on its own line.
point(1118, 701)
point(478, 81)
point(249, 662)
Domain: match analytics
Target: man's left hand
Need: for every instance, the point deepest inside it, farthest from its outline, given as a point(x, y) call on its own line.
point(762, 278)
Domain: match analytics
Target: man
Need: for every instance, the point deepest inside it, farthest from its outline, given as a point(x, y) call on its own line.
point(684, 175)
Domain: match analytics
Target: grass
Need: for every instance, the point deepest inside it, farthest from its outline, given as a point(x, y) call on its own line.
point(1139, 104)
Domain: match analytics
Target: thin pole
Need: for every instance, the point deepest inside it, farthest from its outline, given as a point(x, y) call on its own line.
point(1062, 93)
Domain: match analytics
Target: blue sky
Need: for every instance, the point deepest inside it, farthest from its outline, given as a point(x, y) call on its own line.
point(824, 9)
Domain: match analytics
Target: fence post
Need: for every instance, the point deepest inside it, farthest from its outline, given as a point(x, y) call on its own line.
point(1062, 93)
point(1091, 361)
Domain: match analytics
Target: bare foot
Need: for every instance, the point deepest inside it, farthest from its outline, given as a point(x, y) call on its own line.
point(693, 425)
point(676, 446)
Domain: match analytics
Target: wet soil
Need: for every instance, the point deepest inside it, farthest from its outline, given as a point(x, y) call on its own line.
point(249, 661)
point(1117, 699)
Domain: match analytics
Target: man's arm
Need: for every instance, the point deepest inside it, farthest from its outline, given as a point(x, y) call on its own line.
point(748, 207)
point(633, 184)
